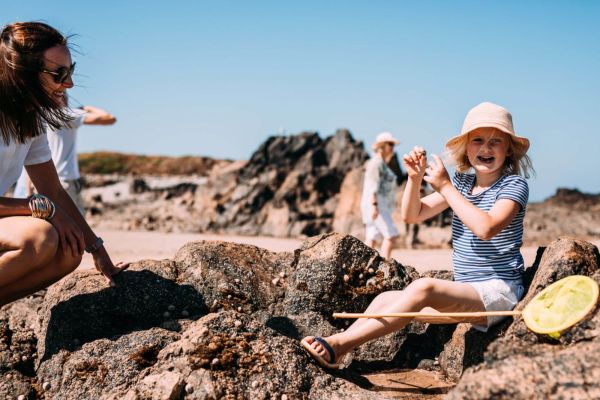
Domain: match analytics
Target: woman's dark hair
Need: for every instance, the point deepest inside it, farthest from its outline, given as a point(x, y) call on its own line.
point(25, 107)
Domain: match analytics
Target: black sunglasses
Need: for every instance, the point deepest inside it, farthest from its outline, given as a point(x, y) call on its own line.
point(61, 74)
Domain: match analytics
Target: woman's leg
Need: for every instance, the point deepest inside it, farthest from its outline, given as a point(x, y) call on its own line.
point(426, 292)
point(30, 257)
point(387, 246)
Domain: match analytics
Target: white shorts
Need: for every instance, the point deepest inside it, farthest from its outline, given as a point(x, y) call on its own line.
point(498, 295)
point(382, 226)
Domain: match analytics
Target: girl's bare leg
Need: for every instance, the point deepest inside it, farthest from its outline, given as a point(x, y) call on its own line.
point(438, 294)
point(30, 257)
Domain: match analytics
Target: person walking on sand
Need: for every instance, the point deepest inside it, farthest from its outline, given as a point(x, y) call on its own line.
point(487, 232)
point(41, 238)
point(379, 196)
point(63, 145)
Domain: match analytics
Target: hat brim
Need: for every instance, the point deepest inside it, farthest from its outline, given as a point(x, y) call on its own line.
point(377, 145)
point(519, 139)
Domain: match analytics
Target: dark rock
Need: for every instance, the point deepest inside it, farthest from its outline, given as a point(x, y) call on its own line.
point(104, 364)
point(317, 283)
point(230, 275)
point(81, 309)
point(139, 185)
point(14, 384)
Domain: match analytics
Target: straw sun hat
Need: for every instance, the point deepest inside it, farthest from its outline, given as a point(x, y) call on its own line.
point(382, 138)
point(488, 115)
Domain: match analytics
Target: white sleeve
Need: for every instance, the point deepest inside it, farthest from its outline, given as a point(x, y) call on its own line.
point(39, 151)
point(78, 116)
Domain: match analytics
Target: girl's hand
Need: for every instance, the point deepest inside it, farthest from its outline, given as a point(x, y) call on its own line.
point(415, 162)
point(437, 175)
point(69, 234)
point(106, 267)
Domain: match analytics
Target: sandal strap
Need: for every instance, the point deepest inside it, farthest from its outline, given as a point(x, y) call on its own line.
point(328, 348)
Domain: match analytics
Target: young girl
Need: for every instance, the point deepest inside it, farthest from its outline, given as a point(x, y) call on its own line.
point(487, 230)
point(41, 238)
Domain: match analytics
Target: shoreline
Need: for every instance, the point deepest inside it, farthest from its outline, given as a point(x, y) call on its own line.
point(131, 246)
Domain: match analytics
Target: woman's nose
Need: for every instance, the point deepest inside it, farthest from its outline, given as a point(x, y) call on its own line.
point(68, 83)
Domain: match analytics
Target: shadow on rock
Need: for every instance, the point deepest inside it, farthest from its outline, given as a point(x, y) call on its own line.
point(284, 326)
point(141, 300)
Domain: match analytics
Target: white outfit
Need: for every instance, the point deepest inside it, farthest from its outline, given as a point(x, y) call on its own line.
point(381, 180)
point(14, 156)
point(62, 144)
point(498, 295)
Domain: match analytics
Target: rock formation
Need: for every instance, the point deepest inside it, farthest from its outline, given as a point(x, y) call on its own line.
point(223, 320)
point(288, 188)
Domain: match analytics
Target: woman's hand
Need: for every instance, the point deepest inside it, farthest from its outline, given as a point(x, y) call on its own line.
point(106, 267)
point(415, 163)
point(437, 175)
point(70, 235)
point(374, 212)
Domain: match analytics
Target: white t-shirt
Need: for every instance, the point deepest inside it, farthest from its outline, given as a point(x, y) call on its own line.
point(15, 155)
point(62, 145)
point(64, 151)
point(381, 180)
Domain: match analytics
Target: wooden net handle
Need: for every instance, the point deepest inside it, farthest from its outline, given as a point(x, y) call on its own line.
point(429, 315)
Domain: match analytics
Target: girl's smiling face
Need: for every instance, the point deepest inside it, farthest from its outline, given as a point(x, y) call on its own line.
point(487, 149)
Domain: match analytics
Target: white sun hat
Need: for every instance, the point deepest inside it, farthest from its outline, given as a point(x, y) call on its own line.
point(488, 115)
point(384, 137)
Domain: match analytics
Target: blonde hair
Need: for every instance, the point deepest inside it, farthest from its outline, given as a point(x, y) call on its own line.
point(517, 161)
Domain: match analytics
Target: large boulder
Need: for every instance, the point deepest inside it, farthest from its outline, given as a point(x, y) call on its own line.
point(233, 276)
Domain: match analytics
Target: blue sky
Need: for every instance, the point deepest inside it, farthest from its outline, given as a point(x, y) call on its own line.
point(217, 78)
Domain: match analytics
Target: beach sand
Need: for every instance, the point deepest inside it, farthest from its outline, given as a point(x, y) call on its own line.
point(133, 246)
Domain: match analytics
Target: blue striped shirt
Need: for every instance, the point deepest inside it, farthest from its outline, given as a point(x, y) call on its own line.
point(500, 257)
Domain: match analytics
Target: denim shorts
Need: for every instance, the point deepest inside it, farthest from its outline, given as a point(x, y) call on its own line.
point(498, 295)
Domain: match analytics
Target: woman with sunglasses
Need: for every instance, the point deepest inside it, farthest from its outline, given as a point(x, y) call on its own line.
point(42, 238)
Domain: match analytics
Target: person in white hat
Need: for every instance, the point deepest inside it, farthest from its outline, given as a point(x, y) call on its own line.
point(487, 232)
point(379, 196)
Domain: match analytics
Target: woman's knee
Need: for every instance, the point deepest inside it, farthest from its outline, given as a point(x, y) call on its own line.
point(39, 240)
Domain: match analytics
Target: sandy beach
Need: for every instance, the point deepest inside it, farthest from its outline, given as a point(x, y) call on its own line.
point(133, 246)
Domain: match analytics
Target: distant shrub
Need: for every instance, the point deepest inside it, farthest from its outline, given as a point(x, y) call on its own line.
point(119, 163)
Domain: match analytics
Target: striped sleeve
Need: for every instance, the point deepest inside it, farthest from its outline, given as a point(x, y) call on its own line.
point(515, 188)
point(458, 181)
